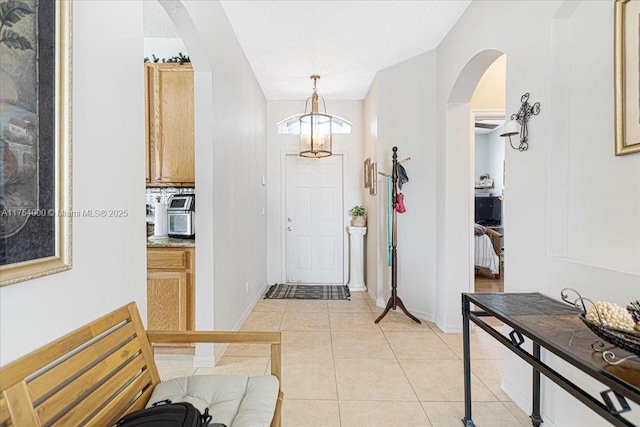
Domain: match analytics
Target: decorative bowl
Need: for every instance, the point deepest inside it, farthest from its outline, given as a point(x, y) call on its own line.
point(624, 340)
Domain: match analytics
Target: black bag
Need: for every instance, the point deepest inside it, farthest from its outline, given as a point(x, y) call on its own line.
point(167, 414)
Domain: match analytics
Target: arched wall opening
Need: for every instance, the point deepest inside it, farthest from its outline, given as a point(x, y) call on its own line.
point(203, 77)
point(455, 223)
point(230, 142)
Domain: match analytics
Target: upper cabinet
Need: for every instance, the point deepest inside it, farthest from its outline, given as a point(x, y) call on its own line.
point(170, 124)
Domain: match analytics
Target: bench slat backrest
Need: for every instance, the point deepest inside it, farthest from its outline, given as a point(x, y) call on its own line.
point(91, 376)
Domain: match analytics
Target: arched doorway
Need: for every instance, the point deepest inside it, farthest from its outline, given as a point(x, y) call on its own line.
point(455, 201)
point(488, 105)
point(204, 284)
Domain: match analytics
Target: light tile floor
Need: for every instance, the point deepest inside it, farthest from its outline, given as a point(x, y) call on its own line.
point(339, 368)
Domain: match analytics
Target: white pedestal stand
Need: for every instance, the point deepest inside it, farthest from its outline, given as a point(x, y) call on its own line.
point(356, 259)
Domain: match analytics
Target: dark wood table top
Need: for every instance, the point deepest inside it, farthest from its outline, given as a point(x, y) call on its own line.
point(555, 325)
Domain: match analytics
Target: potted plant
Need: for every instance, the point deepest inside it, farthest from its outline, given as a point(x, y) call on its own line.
point(359, 214)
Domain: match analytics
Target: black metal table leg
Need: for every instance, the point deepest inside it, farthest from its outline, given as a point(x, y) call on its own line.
point(535, 413)
point(467, 421)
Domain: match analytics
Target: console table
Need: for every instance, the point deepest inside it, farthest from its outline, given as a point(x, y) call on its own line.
point(554, 326)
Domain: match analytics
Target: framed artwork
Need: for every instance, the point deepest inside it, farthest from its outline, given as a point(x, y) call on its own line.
point(373, 175)
point(627, 76)
point(35, 139)
point(367, 175)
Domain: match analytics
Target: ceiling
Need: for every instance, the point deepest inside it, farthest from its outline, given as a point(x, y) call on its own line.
point(346, 42)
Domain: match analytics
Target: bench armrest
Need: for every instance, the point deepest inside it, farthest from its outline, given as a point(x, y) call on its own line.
point(227, 337)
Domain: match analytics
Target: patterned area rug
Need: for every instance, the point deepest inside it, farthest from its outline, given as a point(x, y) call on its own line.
point(281, 291)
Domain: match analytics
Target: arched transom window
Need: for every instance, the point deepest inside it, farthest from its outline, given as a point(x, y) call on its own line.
point(292, 125)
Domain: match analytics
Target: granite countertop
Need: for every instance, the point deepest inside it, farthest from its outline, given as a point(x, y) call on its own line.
point(172, 242)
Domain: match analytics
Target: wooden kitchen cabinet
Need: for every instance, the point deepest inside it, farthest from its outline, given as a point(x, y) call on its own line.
point(170, 136)
point(170, 289)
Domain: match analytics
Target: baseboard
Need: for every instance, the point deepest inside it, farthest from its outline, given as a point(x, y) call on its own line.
point(457, 329)
point(422, 315)
point(523, 402)
point(250, 307)
point(219, 349)
point(373, 298)
point(449, 329)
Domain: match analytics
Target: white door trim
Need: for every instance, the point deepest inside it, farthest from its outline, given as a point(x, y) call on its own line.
point(477, 114)
point(283, 212)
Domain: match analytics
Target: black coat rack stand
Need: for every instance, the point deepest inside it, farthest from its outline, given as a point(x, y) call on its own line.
point(394, 300)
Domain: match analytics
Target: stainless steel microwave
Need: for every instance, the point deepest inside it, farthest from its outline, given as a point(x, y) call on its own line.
point(181, 216)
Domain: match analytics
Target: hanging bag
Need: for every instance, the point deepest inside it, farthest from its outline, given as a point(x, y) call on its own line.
point(400, 208)
point(167, 414)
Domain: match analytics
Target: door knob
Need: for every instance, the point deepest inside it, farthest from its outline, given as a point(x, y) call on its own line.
point(289, 228)
point(289, 220)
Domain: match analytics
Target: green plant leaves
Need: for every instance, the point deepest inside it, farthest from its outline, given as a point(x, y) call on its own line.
point(15, 40)
point(180, 59)
point(357, 211)
point(13, 11)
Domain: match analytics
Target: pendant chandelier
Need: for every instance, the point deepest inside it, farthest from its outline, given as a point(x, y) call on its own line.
point(315, 127)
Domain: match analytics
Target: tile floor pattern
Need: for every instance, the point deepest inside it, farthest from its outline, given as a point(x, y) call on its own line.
point(341, 369)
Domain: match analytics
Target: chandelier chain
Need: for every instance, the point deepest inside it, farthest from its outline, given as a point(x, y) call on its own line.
point(315, 79)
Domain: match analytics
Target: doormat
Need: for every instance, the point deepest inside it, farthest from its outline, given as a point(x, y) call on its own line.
point(282, 291)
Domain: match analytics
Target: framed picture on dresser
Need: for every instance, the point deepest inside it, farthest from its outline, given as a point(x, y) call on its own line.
point(35, 139)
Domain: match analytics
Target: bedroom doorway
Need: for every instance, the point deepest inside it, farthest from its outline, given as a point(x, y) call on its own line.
point(488, 113)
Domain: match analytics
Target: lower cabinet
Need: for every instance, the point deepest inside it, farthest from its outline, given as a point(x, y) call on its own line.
point(170, 289)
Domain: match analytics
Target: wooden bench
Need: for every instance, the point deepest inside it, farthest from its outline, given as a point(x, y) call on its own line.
point(102, 371)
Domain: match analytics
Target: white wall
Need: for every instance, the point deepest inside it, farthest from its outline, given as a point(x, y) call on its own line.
point(349, 145)
point(489, 158)
point(161, 38)
point(230, 160)
point(562, 204)
point(163, 47)
point(401, 105)
point(375, 248)
point(489, 94)
point(571, 150)
point(109, 254)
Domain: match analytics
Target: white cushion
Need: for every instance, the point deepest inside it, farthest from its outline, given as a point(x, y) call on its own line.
point(233, 400)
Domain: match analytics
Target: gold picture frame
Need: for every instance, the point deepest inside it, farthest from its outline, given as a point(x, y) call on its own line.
point(367, 176)
point(36, 230)
point(627, 89)
point(373, 178)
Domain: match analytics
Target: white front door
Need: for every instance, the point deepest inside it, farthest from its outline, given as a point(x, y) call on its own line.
point(314, 220)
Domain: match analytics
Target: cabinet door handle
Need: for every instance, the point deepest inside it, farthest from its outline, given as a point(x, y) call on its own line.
point(289, 228)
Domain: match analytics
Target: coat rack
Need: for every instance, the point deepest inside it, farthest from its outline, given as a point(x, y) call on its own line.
point(394, 300)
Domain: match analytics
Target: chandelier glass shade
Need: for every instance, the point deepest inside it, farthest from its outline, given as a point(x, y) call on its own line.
point(315, 127)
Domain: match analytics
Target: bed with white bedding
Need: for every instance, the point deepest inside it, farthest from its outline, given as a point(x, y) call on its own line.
point(486, 249)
